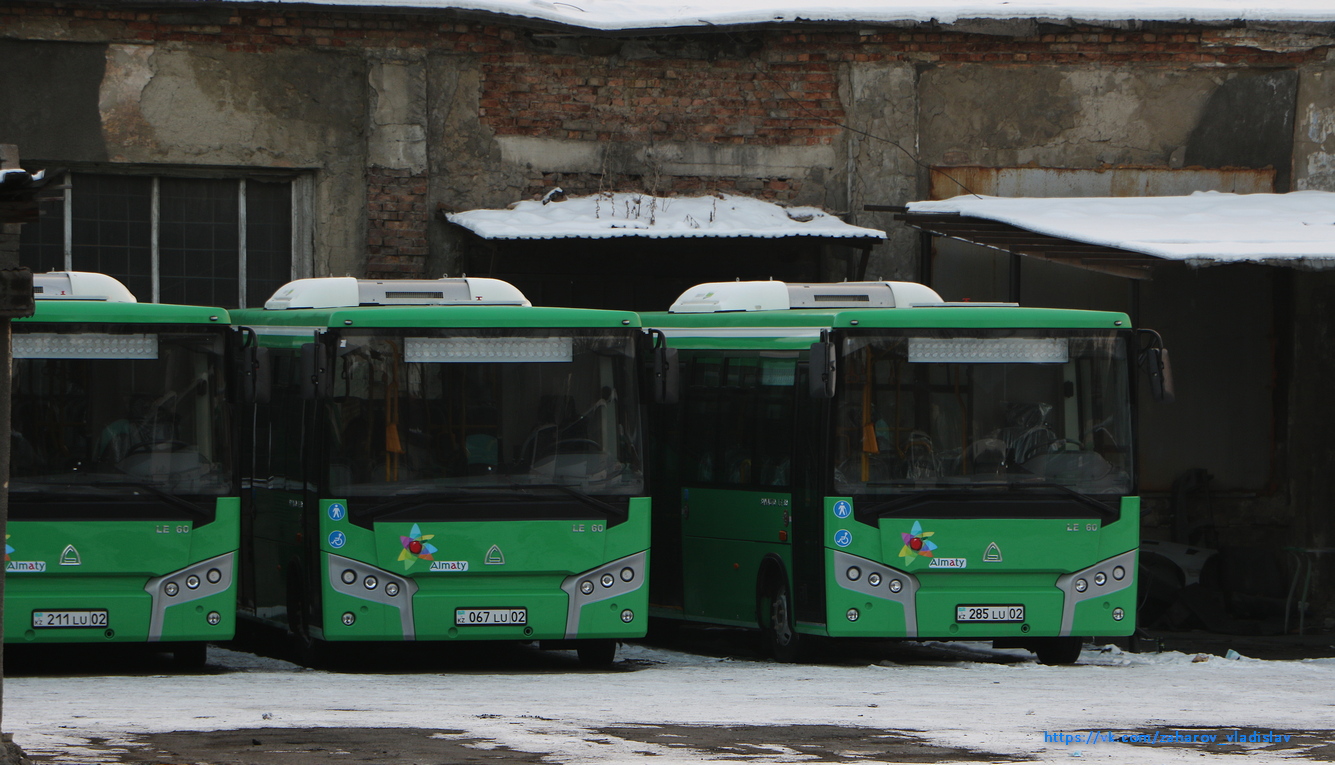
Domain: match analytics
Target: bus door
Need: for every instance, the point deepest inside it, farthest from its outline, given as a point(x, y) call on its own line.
point(810, 455)
point(737, 467)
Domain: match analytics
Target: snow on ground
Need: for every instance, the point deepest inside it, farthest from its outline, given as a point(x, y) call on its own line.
point(972, 702)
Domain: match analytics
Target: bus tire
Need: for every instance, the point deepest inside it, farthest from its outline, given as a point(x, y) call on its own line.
point(781, 640)
point(1058, 650)
point(596, 654)
point(189, 657)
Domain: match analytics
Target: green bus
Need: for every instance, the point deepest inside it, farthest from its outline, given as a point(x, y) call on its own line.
point(440, 460)
point(866, 460)
point(124, 517)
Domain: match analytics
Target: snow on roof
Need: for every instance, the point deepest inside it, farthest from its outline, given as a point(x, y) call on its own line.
point(610, 215)
point(1207, 227)
point(612, 15)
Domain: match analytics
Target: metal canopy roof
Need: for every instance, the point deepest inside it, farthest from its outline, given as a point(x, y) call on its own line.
point(1128, 235)
point(1021, 241)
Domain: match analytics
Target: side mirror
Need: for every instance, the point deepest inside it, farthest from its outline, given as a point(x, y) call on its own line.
point(1154, 360)
point(821, 365)
point(251, 370)
point(316, 373)
point(257, 375)
point(667, 376)
point(664, 372)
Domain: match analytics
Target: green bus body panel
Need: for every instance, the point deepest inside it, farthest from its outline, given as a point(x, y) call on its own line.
point(108, 568)
point(1011, 561)
point(722, 551)
point(726, 535)
point(509, 564)
point(73, 311)
point(530, 560)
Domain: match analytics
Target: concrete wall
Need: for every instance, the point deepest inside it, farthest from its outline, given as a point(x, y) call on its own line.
point(172, 105)
point(1314, 138)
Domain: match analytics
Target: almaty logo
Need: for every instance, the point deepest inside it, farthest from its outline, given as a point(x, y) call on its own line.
point(416, 547)
point(9, 549)
point(916, 543)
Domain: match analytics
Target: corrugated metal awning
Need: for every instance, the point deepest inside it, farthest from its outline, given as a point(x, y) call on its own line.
point(1129, 235)
point(620, 215)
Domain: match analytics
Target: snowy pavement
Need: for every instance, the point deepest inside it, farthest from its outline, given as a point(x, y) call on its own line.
point(995, 705)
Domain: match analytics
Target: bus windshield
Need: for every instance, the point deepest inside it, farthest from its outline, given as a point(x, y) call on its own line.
point(429, 411)
point(983, 410)
point(111, 414)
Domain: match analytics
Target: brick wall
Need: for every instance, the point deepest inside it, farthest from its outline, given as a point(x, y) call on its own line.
point(752, 88)
point(396, 223)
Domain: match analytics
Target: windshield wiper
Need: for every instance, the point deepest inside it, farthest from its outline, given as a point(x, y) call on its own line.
point(165, 496)
point(593, 502)
point(1044, 483)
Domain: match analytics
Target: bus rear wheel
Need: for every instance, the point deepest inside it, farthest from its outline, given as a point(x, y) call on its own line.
point(189, 657)
point(1058, 650)
point(596, 654)
point(775, 609)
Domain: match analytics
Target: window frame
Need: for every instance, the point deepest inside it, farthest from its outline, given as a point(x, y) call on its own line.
point(301, 247)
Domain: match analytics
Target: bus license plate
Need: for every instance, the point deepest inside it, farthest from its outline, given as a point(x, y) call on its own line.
point(478, 617)
point(89, 618)
point(989, 613)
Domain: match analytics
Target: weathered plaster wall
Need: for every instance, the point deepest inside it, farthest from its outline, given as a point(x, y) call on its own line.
point(882, 103)
point(1062, 116)
point(49, 99)
point(1314, 138)
point(397, 207)
point(176, 104)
